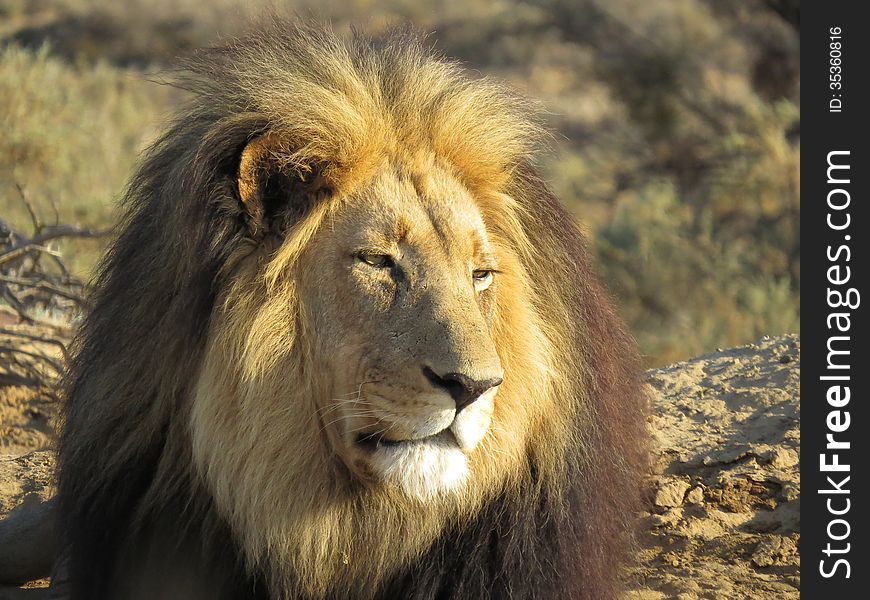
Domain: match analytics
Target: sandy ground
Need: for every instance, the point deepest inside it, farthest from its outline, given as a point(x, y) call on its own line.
point(27, 422)
point(723, 503)
point(724, 517)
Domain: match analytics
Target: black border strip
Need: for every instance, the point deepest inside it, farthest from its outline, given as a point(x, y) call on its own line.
point(835, 262)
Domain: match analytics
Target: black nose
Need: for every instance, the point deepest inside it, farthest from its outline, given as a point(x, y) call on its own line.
point(461, 387)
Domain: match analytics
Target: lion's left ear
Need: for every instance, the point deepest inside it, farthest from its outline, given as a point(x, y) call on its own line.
point(272, 193)
point(254, 161)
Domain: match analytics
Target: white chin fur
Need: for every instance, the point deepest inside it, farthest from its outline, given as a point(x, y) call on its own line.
point(423, 470)
point(471, 424)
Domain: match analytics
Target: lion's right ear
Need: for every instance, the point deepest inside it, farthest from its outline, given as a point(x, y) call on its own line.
point(272, 193)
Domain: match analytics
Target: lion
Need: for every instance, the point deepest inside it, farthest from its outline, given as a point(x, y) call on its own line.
point(348, 345)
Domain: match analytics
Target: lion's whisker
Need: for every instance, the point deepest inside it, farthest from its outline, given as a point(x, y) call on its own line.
point(370, 413)
point(342, 403)
point(338, 402)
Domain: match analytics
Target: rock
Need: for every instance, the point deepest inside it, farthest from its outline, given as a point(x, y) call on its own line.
point(774, 550)
point(671, 493)
point(695, 495)
point(783, 458)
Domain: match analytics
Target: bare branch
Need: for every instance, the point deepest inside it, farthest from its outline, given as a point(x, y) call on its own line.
point(33, 349)
point(37, 222)
point(37, 338)
point(44, 285)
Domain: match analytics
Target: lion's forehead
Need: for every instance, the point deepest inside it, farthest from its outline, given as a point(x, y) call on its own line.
point(427, 210)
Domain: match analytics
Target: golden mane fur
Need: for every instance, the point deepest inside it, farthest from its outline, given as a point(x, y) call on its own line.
point(195, 425)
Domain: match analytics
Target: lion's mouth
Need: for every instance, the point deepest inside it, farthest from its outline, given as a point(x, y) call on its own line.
point(424, 468)
point(372, 442)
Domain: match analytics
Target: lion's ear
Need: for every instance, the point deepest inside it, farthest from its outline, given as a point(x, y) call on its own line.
point(272, 193)
point(255, 161)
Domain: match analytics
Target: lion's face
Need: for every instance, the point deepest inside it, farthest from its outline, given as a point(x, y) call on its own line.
point(400, 285)
point(377, 361)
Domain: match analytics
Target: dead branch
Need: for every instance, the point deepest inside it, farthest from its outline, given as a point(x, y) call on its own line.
point(38, 300)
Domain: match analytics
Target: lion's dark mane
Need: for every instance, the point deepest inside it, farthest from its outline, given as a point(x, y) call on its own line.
point(138, 521)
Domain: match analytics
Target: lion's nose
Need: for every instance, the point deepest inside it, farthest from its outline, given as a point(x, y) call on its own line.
point(461, 387)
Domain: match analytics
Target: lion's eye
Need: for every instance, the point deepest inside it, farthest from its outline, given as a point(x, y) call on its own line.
point(380, 261)
point(482, 279)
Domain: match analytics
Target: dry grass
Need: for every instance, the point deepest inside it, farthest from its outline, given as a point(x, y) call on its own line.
point(70, 137)
point(677, 125)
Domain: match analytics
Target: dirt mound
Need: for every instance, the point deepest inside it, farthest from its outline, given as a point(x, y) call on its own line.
point(724, 496)
point(724, 506)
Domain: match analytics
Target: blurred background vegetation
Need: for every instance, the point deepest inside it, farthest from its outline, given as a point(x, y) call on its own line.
point(677, 129)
